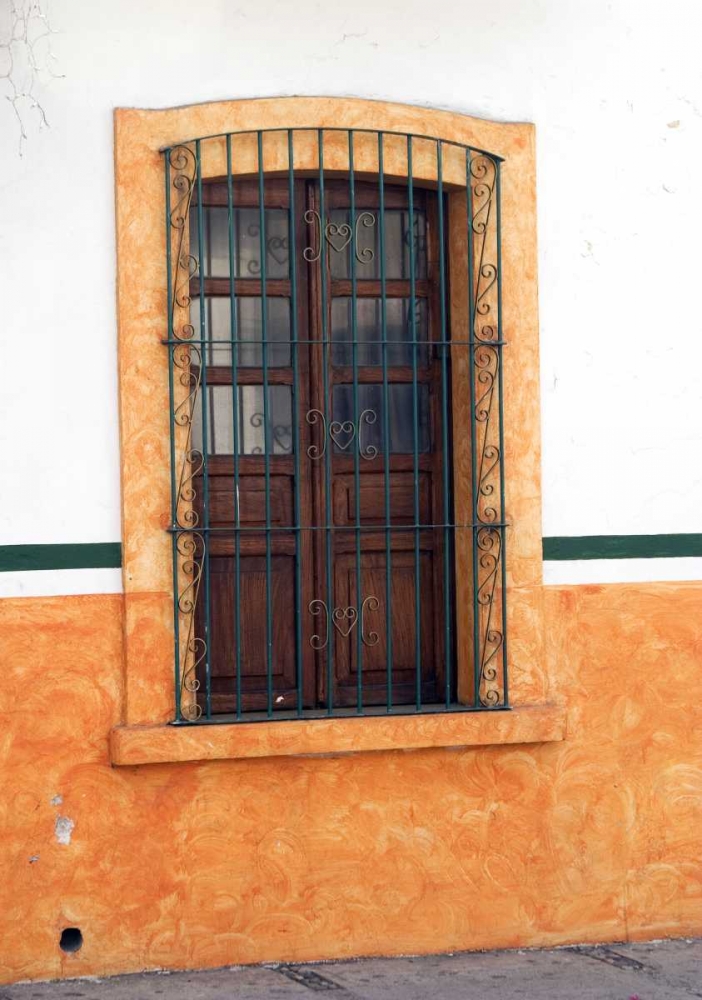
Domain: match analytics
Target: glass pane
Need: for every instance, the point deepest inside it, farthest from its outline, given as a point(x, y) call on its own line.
point(249, 328)
point(369, 331)
point(370, 408)
point(247, 242)
point(252, 436)
point(367, 243)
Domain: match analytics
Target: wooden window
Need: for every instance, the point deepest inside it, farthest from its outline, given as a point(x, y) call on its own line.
point(319, 398)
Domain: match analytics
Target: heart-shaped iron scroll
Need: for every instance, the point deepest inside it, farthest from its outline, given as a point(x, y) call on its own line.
point(344, 620)
point(339, 428)
point(338, 235)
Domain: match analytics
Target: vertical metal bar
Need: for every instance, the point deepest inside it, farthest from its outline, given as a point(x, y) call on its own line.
point(235, 428)
point(329, 540)
point(353, 250)
point(415, 437)
point(171, 422)
point(503, 529)
point(297, 416)
point(444, 420)
point(386, 425)
point(266, 432)
point(473, 432)
point(205, 441)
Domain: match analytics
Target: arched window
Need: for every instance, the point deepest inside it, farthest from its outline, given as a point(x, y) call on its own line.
point(337, 474)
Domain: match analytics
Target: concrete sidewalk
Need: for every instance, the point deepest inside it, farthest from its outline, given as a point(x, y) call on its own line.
point(654, 971)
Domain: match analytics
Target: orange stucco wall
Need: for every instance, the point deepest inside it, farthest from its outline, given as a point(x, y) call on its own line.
point(188, 865)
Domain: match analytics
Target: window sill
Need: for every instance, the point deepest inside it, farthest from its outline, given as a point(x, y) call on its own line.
point(161, 744)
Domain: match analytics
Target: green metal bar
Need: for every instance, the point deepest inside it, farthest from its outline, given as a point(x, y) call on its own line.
point(473, 433)
point(297, 417)
point(266, 431)
point(205, 443)
point(171, 398)
point(502, 530)
point(444, 422)
point(262, 718)
point(415, 439)
point(327, 456)
point(235, 430)
point(337, 128)
point(323, 527)
point(403, 341)
point(353, 250)
point(386, 424)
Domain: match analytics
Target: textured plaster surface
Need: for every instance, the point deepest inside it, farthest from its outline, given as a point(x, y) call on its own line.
point(407, 731)
point(300, 858)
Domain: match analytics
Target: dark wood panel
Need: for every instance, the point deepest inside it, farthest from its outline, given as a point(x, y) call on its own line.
point(372, 498)
point(367, 195)
point(253, 632)
point(371, 288)
point(243, 287)
point(373, 628)
point(373, 375)
point(245, 193)
point(252, 501)
point(222, 375)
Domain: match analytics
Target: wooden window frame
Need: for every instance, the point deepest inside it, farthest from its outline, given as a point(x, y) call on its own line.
point(148, 704)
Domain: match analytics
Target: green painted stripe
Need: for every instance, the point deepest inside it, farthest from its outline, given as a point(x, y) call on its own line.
point(622, 547)
point(108, 555)
point(96, 555)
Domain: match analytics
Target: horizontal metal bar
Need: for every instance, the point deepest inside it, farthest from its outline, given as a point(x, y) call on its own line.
point(317, 128)
point(343, 713)
point(337, 527)
point(222, 342)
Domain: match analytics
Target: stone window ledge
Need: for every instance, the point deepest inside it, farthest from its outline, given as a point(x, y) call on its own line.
point(161, 744)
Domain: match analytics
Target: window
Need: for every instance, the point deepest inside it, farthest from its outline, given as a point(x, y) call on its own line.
point(336, 383)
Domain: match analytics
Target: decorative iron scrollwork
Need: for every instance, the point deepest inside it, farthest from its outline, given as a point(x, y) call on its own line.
point(281, 434)
point(483, 174)
point(344, 620)
point(187, 370)
point(277, 247)
point(489, 544)
point(342, 433)
point(186, 359)
point(183, 165)
point(191, 550)
point(338, 235)
point(486, 417)
point(486, 352)
point(315, 608)
point(486, 363)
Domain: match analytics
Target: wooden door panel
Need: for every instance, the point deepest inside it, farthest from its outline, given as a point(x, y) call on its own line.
point(252, 501)
point(371, 628)
point(253, 636)
point(372, 498)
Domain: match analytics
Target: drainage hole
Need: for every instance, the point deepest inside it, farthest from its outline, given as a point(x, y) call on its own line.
point(71, 939)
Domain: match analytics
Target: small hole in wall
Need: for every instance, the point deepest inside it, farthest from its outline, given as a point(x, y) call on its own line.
point(71, 939)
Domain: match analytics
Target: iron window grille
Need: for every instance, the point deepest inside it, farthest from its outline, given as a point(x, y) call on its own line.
point(336, 414)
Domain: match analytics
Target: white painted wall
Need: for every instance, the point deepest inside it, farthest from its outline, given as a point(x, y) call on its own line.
point(615, 89)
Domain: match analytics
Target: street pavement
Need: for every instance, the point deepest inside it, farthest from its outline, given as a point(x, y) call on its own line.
point(664, 970)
